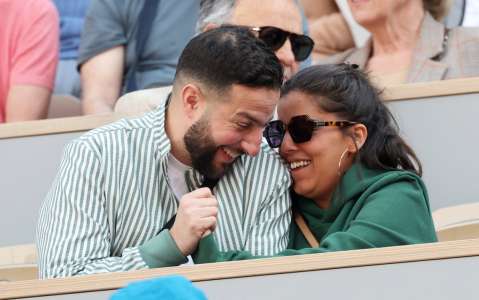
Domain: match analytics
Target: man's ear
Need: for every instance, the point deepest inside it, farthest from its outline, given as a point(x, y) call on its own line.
point(193, 102)
point(359, 134)
point(210, 26)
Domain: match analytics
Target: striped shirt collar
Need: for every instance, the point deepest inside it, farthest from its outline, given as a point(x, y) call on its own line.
point(193, 178)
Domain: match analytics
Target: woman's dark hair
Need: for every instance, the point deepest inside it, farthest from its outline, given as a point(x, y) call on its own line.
point(346, 91)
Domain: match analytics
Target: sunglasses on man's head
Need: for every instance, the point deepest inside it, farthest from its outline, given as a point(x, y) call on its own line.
point(300, 129)
point(274, 37)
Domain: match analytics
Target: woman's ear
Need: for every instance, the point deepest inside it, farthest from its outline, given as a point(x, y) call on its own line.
point(359, 134)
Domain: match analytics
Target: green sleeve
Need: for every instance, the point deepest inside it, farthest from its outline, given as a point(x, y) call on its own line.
point(162, 251)
point(396, 214)
point(208, 252)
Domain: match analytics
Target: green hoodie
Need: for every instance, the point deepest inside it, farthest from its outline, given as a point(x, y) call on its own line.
point(370, 208)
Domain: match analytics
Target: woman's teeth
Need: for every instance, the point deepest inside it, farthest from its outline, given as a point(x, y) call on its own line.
point(298, 164)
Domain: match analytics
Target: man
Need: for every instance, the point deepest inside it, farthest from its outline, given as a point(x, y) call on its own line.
point(274, 19)
point(112, 204)
point(131, 44)
point(282, 14)
point(29, 54)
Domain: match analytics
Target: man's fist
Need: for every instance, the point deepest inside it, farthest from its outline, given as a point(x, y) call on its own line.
point(196, 215)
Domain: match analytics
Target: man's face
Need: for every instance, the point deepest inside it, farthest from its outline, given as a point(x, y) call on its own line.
point(283, 14)
point(229, 127)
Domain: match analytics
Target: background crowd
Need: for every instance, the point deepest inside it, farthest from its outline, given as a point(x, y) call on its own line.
point(80, 57)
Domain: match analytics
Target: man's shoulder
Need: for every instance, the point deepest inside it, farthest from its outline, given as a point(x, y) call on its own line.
point(266, 162)
point(127, 130)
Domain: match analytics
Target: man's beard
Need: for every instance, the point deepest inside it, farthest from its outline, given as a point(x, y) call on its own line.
point(202, 149)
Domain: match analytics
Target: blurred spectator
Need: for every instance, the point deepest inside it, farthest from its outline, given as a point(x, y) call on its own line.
point(173, 287)
point(29, 54)
point(327, 27)
point(408, 44)
point(284, 15)
point(72, 14)
point(116, 56)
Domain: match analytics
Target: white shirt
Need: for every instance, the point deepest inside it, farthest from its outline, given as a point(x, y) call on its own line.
point(176, 176)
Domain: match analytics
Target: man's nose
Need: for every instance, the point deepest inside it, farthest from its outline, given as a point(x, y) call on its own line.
point(286, 57)
point(251, 143)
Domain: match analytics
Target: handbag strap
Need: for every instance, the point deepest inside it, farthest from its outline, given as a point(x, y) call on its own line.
point(298, 218)
point(147, 14)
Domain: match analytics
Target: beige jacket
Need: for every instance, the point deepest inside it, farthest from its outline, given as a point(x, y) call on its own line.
point(437, 55)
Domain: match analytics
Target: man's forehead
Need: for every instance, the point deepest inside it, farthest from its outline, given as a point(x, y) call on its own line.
point(251, 103)
point(283, 14)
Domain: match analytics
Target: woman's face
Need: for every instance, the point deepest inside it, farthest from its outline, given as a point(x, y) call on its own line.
point(313, 164)
point(371, 12)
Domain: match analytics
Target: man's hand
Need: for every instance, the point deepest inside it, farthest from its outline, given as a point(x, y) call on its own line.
point(196, 216)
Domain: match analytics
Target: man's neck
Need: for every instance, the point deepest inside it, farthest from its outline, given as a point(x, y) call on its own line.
point(175, 132)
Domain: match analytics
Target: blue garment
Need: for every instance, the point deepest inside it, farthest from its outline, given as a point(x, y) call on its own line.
point(113, 23)
point(72, 13)
point(169, 287)
point(304, 23)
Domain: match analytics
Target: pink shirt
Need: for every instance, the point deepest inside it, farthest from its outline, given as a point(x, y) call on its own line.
point(29, 38)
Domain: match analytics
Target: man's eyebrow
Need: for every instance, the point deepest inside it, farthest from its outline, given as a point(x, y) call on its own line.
point(251, 118)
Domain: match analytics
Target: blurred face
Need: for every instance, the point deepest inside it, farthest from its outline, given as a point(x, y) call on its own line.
point(370, 12)
point(230, 127)
point(313, 164)
point(283, 14)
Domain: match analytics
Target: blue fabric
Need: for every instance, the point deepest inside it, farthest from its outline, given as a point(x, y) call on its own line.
point(306, 63)
point(72, 13)
point(169, 287)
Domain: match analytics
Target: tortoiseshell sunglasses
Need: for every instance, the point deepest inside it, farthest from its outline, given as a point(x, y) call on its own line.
point(300, 128)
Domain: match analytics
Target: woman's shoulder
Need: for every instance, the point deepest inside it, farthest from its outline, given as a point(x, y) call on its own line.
point(377, 179)
point(379, 184)
point(465, 33)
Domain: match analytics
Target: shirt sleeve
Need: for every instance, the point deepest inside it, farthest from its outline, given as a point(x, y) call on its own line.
point(35, 56)
point(73, 234)
point(269, 233)
point(395, 215)
point(104, 28)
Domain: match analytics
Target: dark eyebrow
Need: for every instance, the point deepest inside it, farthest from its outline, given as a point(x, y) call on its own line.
point(252, 118)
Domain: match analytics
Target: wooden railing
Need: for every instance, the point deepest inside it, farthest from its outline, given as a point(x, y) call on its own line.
point(236, 269)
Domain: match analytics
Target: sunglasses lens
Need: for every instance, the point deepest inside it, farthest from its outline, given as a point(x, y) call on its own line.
point(273, 37)
point(301, 129)
point(274, 133)
point(302, 46)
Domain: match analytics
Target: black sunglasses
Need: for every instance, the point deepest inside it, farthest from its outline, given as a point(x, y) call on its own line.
point(300, 129)
point(274, 37)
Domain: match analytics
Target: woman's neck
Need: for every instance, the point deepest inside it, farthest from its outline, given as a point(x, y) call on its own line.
point(397, 33)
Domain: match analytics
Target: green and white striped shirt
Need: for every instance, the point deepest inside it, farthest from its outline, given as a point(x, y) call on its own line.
point(112, 195)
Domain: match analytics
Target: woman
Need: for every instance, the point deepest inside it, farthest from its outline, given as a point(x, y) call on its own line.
point(356, 182)
point(408, 44)
point(327, 27)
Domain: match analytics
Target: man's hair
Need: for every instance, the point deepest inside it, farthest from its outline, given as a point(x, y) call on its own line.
point(214, 11)
point(229, 55)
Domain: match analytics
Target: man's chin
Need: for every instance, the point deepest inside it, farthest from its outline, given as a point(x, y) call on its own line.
point(218, 170)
